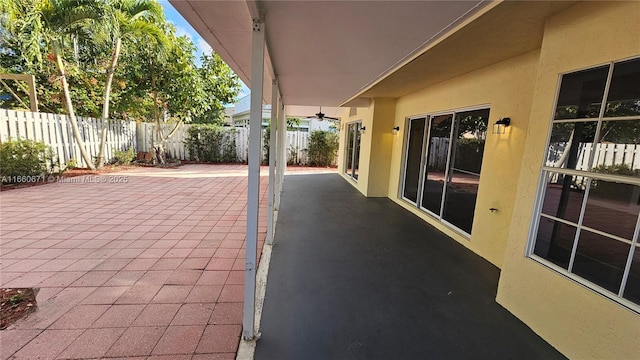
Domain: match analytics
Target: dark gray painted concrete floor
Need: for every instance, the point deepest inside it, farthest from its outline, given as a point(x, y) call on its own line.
point(361, 278)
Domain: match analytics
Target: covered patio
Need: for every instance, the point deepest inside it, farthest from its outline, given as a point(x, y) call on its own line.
point(362, 278)
point(396, 70)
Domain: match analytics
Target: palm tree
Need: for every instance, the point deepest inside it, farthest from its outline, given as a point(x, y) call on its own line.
point(126, 20)
point(50, 22)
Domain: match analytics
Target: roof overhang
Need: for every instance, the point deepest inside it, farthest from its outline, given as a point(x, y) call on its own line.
point(334, 53)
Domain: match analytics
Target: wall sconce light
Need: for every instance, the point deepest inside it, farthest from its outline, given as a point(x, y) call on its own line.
point(362, 129)
point(395, 130)
point(500, 125)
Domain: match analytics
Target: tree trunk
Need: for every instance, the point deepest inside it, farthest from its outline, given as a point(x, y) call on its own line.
point(72, 115)
point(105, 108)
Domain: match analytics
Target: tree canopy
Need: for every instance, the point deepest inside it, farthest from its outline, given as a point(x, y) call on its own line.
point(156, 76)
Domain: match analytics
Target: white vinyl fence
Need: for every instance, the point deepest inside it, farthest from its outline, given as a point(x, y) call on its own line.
point(55, 130)
point(147, 135)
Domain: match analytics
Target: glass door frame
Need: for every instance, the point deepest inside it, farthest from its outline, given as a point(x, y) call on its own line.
point(424, 158)
point(425, 155)
point(405, 155)
point(351, 155)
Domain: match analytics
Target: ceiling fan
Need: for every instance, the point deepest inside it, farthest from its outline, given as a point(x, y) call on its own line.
point(321, 116)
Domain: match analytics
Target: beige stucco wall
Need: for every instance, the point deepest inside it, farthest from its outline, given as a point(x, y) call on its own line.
point(579, 322)
point(365, 115)
point(375, 146)
point(506, 88)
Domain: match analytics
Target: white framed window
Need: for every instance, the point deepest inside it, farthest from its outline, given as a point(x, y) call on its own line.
point(442, 162)
point(587, 214)
point(352, 148)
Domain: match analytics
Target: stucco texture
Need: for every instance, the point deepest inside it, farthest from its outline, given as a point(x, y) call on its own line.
point(573, 318)
point(506, 88)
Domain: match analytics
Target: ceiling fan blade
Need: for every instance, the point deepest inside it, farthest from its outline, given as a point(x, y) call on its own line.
point(331, 118)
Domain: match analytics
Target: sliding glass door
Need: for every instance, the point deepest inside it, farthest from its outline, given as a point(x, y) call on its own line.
point(435, 170)
point(352, 156)
point(446, 167)
point(413, 159)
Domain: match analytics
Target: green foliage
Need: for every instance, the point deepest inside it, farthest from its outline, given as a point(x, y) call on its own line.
point(156, 70)
point(469, 154)
point(266, 137)
point(71, 164)
point(124, 157)
point(293, 159)
point(292, 123)
point(220, 86)
point(323, 146)
point(613, 190)
point(23, 158)
point(16, 299)
point(211, 143)
point(616, 169)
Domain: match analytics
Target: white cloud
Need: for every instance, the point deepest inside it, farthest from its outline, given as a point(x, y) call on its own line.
point(203, 46)
point(180, 31)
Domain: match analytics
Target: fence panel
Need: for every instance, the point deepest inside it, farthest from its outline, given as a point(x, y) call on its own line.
point(55, 130)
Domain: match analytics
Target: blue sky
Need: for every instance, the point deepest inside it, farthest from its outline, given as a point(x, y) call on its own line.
point(183, 28)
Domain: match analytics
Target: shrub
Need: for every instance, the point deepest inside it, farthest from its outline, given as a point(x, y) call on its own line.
point(266, 137)
point(469, 155)
point(293, 158)
point(211, 143)
point(323, 146)
point(21, 159)
point(71, 164)
point(124, 157)
point(616, 169)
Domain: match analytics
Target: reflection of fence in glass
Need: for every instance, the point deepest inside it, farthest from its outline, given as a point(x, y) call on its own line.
point(606, 156)
point(438, 155)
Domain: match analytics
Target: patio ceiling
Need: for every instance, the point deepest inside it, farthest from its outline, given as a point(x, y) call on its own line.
point(330, 53)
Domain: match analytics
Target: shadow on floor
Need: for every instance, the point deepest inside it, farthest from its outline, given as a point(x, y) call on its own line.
point(361, 278)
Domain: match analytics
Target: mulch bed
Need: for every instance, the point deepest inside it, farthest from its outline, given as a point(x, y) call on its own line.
point(15, 304)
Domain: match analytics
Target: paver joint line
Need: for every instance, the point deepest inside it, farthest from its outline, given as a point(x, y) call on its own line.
point(123, 270)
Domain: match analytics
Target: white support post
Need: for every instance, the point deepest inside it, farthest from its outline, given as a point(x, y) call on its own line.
point(253, 190)
point(282, 151)
point(275, 110)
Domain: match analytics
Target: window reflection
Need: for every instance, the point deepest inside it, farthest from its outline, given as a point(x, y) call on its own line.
point(632, 290)
point(570, 145)
point(414, 156)
point(613, 208)
point(581, 94)
point(624, 91)
point(563, 196)
point(601, 260)
point(460, 203)
point(356, 150)
point(349, 156)
point(354, 133)
point(439, 134)
point(555, 241)
point(464, 173)
point(616, 151)
point(598, 149)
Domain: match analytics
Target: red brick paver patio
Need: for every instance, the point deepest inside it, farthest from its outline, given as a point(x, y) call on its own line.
point(147, 269)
